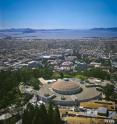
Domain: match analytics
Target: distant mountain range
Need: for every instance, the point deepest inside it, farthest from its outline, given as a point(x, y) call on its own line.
point(23, 30)
point(105, 29)
point(59, 33)
point(29, 30)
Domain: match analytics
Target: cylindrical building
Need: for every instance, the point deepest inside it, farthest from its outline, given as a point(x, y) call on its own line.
point(66, 87)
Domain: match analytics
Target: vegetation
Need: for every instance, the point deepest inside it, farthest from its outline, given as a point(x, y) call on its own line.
point(41, 115)
point(114, 76)
point(57, 75)
point(9, 92)
point(35, 83)
point(94, 72)
point(97, 73)
point(106, 63)
point(108, 91)
point(114, 97)
point(9, 82)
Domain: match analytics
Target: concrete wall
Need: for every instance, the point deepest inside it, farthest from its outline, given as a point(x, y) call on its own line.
point(68, 92)
point(68, 103)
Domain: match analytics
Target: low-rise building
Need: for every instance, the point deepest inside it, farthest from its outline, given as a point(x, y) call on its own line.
point(102, 111)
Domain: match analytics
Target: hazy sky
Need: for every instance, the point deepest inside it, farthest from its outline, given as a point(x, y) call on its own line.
point(78, 14)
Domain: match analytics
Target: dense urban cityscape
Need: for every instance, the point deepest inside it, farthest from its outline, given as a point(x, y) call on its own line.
point(77, 75)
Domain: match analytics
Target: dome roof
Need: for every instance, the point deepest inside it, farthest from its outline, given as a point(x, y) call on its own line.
point(65, 85)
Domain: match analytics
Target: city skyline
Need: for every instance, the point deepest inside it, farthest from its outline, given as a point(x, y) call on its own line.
point(58, 14)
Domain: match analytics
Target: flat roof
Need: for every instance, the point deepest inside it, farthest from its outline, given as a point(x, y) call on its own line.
point(102, 110)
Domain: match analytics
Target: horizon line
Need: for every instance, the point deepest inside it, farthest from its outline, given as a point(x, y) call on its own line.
point(56, 28)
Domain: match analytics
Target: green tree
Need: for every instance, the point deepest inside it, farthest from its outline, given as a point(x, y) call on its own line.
point(108, 91)
point(34, 82)
point(37, 119)
point(97, 73)
point(50, 114)
point(44, 115)
point(61, 75)
point(56, 118)
point(39, 115)
point(28, 115)
point(114, 76)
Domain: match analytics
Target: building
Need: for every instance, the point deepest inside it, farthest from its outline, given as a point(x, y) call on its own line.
point(34, 64)
point(66, 87)
point(95, 64)
point(102, 111)
point(67, 92)
point(67, 66)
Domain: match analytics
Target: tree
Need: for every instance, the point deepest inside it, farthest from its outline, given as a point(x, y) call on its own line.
point(56, 118)
point(39, 115)
point(114, 76)
point(37, 119)
point(28, 115)
point(44, 115)
point(61, 75)
point(34, 82)
point(108, 91)
point(97, 73)
point(9, 93)
point(50, 114)
point(26, 75)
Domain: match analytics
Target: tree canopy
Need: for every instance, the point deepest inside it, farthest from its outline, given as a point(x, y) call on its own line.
point(42, 115)
point(10, 80)
point(108, 91)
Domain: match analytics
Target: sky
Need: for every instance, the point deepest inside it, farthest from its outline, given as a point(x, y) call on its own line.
point(58, 14)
